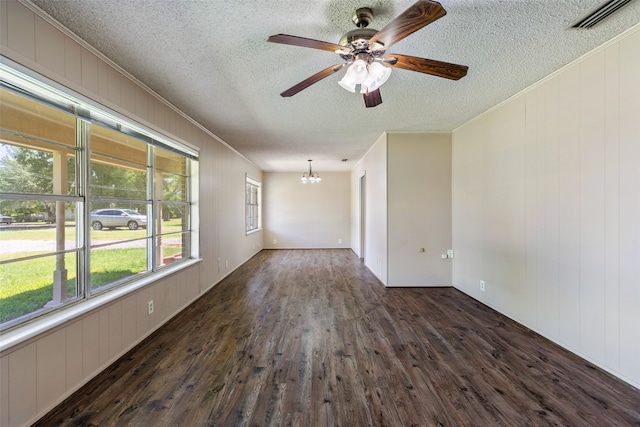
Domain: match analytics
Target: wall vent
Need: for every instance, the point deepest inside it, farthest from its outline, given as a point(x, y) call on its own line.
point(600, 13)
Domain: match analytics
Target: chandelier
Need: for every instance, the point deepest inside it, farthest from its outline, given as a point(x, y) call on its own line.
point(311, 176)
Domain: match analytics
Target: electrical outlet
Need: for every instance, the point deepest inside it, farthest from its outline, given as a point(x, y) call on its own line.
point(449, 253)
point(339, 241)
point(482, 285)
point(275, 241)
point(150, 307)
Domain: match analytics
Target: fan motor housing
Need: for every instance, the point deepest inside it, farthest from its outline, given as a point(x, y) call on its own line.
point(354, 36)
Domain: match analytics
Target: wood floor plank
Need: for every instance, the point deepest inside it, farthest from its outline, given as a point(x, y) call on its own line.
point(311, 338)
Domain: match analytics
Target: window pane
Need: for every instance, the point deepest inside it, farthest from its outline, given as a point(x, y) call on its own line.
point(170, 162)
point(116, 262)
point(172, 247)
point(129, 216)
point(118, 165)
point(174, 188)
point(23, 116)
point(28, 286)
point(172, 218)
point(171, 175)
point(33, 229)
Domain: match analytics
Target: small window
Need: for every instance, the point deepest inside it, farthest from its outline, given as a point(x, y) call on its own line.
point(252, 210)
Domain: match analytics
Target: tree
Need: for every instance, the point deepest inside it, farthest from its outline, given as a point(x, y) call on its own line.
point(24, 170)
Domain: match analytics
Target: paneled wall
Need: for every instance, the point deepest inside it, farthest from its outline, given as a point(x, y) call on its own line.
point(419, 208)
point(302, 216)
point(373, 166)
point(546, 196)
point(407, 207)
point(38, 373)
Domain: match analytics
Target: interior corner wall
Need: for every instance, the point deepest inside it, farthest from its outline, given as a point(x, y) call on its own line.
point(39, 373)
point(419, 209)
point(546, 207)
point(306, 216)
point(373, 166)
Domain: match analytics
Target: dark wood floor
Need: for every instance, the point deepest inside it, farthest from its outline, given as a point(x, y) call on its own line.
point(311, 338)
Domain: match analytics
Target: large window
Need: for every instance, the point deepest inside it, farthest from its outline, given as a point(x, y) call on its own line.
point(252, 205)
point(89, 200)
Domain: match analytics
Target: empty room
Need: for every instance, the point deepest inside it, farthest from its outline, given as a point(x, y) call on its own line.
point(328, 213)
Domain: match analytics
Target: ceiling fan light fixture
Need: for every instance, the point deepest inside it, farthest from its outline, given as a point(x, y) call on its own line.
point(348, 83)
point(358, 71)
point(378, 74)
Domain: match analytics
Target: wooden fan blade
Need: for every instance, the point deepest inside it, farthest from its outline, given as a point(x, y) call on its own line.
point(411, 20)
point(427, 66)
point(373, 98)
point(311, 80)
point(305, 42)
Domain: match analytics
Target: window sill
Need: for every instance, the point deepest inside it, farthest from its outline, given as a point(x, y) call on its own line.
point(40, 325)
point(253, 231)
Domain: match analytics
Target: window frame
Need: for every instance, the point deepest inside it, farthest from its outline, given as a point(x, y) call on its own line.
point(252, 222)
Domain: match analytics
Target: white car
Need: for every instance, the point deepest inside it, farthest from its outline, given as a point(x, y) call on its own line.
point(4, 219)
point(112, 218)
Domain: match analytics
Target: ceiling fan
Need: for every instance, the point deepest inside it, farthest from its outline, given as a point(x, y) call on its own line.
point(364, 52)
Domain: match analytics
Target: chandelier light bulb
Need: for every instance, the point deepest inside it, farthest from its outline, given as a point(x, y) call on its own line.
point(310, 177)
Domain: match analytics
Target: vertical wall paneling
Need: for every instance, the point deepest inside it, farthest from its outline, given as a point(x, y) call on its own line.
point(580, 199)
point(142, 104)
point(592, 213)
point(22, 385)
point(73, 356)
point(419, 209)
point(548, 298)
point(73, 61)
point(533, 208)
point(90, 344)
point(629, 155)
point(49, 47)
point(4, 27)
point(142, 318)
point(128, 95)
point(90, 71)
point(115, 328)
point(50, 368)
point(569, 204)
point(113, 86)
point(612, 208)
point(374, 162)
point(4, 375)
point(103, 79)
point(129, 332)
point(21, 31)
point(103, 332)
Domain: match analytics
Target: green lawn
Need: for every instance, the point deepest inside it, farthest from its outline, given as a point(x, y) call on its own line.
point(26, 286)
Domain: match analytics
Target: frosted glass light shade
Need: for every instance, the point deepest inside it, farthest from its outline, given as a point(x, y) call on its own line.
point(348, 83)
point(378, 74)
point(359, 71)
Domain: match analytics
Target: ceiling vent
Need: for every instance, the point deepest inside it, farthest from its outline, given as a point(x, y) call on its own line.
point(600, 13)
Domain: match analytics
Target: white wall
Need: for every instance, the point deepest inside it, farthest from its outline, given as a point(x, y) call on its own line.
point(306, 216)
point(419, 209)
point(546, 207)
point(374, 166)
point(40, 372)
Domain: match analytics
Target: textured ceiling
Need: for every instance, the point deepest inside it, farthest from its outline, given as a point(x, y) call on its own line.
point(210, 58)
